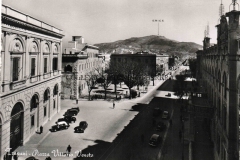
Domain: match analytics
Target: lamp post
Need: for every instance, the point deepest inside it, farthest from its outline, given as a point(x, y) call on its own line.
point(158, 20)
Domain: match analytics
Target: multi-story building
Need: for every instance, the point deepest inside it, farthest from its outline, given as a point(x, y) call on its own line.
point(143, 58)
point(218, 71)
point(162, 61)
point(79, 59)
point(30, 76)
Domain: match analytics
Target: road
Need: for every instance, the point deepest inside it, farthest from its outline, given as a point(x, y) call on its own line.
point(111, 133)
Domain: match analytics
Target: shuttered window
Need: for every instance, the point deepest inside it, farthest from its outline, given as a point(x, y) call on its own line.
point(15, 69)
point(55, 64)
point(33, 66)
point(45, 65)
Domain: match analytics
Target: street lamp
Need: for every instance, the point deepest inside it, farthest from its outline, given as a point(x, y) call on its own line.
point(158, 20)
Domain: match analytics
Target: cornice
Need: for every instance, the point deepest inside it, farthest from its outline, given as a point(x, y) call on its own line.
point(6, 19)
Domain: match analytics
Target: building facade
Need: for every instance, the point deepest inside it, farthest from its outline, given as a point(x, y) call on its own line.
point(30, 76)
point(162, 62)
point(218, 72)
point(143, 58)
point(79, 59)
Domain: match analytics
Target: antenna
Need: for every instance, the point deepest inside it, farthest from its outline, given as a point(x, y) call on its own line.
point(221, 9)
point(205, 33)
point(234, 2)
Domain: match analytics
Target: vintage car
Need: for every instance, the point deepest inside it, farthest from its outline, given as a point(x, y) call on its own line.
point(59, 126)
point(81, 127)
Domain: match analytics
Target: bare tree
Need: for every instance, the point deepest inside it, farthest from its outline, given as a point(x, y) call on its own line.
point(91, 80)
point(104, 79)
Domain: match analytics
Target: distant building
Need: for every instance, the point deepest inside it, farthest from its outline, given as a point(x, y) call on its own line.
point(79, 59)
point(30, 76)
point(143, 58)
point(218, 73)
point(162, 61)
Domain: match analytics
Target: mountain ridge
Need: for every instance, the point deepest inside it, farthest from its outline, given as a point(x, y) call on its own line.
point(152, 44)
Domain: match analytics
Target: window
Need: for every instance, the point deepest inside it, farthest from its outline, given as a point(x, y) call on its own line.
point(15, 68)
point(45, 65)
point(55, 64)
point(45, 111)
point(33, 66)
point(32, 120)
point(54, 104)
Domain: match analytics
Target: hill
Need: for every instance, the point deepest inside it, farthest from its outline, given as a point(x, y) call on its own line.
point(151, 44)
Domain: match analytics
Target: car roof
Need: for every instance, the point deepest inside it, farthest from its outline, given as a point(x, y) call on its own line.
point(155, 136)
point(61, 122)
point(83, 122)
point(165, 111)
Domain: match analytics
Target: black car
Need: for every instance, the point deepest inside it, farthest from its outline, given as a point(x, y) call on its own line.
point(59, 126)
point(70, 119)
point(155, 140)
point(82, 126)
point(71, 112)
point(160, 126)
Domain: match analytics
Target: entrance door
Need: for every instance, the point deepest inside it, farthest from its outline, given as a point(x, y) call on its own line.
point(16, 126)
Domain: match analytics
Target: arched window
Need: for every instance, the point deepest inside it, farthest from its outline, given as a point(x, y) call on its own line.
point(46, 95)
point(34, 102)
point(55, 90)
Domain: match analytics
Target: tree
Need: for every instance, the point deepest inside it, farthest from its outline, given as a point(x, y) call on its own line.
point(105, 80)
point(91, 80)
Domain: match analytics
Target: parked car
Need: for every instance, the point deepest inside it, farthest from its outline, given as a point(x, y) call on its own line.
point(165, 115)
point(70, 119)
point(82, 126)
point(160, 126)
point(155, 140)
point(59, 126)
point(71, 112)
point(156, 112)
point(77, 108)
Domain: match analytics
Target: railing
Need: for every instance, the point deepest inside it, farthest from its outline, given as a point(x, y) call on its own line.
point(19, 15)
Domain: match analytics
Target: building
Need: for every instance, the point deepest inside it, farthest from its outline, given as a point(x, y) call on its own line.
point(30, 76)
point(162, 61)
point(79, 59)
point(143, 58)
point(218, 72)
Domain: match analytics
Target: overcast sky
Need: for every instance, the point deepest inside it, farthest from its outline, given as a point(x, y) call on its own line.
point(100, 21)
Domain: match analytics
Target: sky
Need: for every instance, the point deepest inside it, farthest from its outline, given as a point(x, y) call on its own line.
point(101, 21)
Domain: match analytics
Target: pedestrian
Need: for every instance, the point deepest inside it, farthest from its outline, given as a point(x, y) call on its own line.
point(15, 157)
point(41, 129)
point(48, 158)
point(113, 104)
point(76, 101)
point(142, 138)
point(5, 157)
point(69, 149)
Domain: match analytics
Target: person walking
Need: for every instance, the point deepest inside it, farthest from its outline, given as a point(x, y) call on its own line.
point(15, 157)
point(113, 104)
point(69, 150)
point(41, 129)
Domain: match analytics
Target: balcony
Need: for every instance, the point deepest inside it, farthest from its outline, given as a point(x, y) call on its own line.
point(46, 75)
point(17, 84)
point(33, 79)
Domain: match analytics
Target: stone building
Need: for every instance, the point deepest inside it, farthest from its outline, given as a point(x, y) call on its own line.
point(143, 58)
point(30, 76)
point(79, 59)
point(218, 72)
point(162, 61)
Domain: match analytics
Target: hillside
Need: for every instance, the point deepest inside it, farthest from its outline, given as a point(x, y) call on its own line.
point(152, 44)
